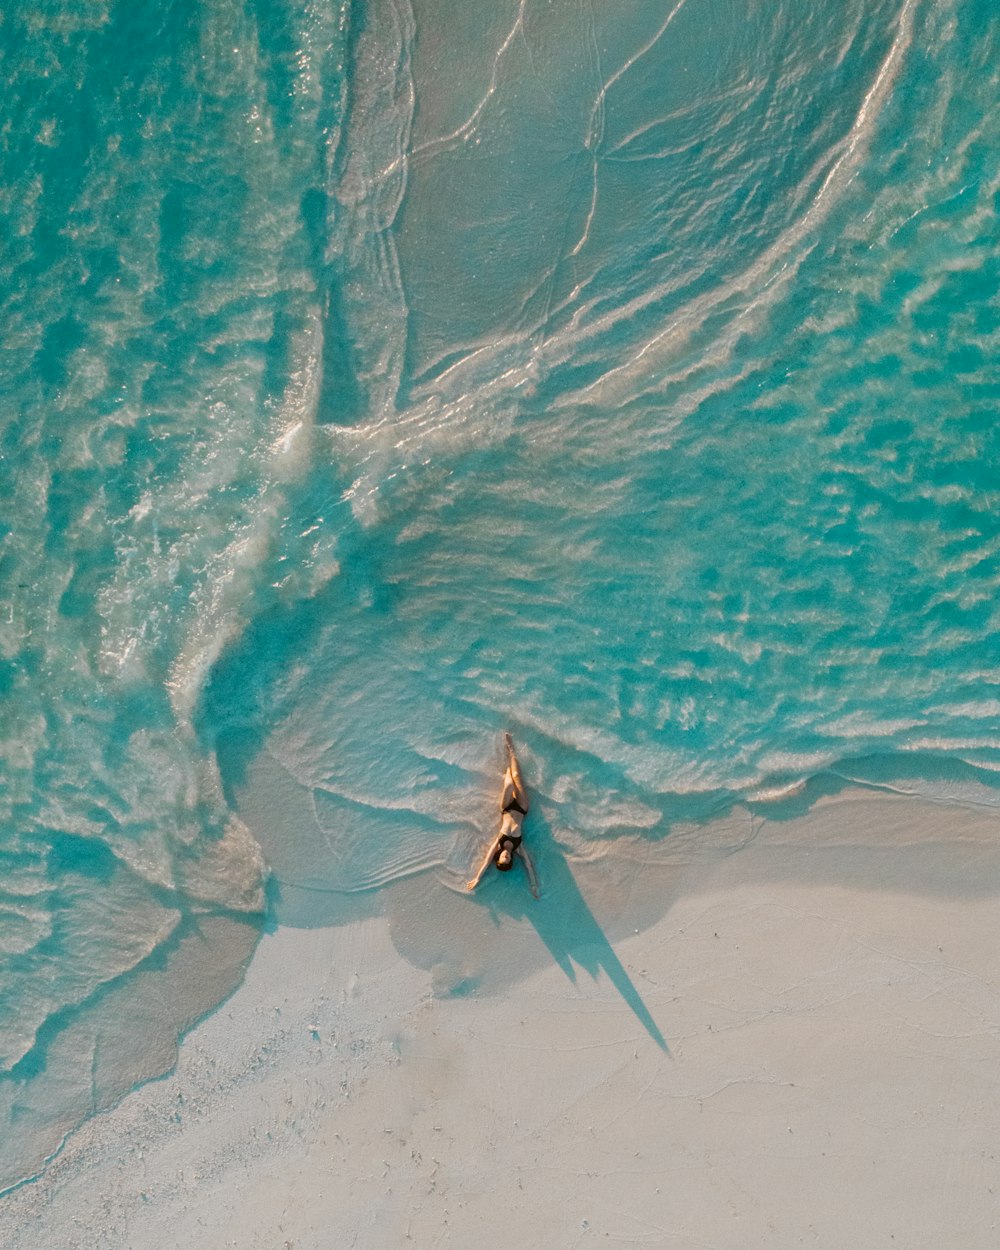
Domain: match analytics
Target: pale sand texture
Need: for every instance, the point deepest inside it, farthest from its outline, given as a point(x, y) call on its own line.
point(829, 994)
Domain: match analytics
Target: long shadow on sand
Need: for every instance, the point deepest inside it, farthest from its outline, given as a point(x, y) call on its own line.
point(566, 924)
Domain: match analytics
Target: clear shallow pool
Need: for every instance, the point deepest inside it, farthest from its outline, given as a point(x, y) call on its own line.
point(382, 376)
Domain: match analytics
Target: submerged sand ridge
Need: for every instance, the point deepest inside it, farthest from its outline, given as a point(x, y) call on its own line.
point(828, 994)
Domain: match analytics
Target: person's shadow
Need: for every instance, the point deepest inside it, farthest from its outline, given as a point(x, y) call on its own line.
point(564, 922)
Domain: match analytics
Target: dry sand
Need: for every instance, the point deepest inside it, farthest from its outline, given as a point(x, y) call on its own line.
point(799, 1047)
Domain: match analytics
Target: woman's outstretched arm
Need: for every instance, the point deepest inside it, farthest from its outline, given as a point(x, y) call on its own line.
point(487, 860)
point(530, 869)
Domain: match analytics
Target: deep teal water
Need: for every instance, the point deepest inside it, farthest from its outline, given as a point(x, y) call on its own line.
point(380, 376)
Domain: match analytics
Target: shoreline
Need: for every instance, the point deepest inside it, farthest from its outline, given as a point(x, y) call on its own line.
point(828, 1003)
point(131, 1028)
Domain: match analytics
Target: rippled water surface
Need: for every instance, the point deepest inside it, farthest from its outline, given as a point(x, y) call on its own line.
point(379, 376)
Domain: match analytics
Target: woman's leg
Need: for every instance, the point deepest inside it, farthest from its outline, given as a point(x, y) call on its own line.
point(513, 782)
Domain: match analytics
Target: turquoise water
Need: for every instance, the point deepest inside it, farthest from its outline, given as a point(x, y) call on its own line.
point(381, 376)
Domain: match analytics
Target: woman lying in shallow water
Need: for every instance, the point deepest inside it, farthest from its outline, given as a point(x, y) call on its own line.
point(508, 842)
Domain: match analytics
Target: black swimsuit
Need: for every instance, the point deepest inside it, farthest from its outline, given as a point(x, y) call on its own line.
point(513, 839)
point(507, 840)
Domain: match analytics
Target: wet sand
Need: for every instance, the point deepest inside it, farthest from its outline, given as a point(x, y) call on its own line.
point(775, 1033)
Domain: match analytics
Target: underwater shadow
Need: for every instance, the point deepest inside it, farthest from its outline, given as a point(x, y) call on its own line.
point(567, 926)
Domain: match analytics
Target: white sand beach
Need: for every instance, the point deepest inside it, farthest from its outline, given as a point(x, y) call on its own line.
point(795, 1042)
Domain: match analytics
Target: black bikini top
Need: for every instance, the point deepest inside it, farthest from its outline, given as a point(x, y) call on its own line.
point(507, 840)
point(512, 839)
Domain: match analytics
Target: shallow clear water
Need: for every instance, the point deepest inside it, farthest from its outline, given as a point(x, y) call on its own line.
point(380, 376)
